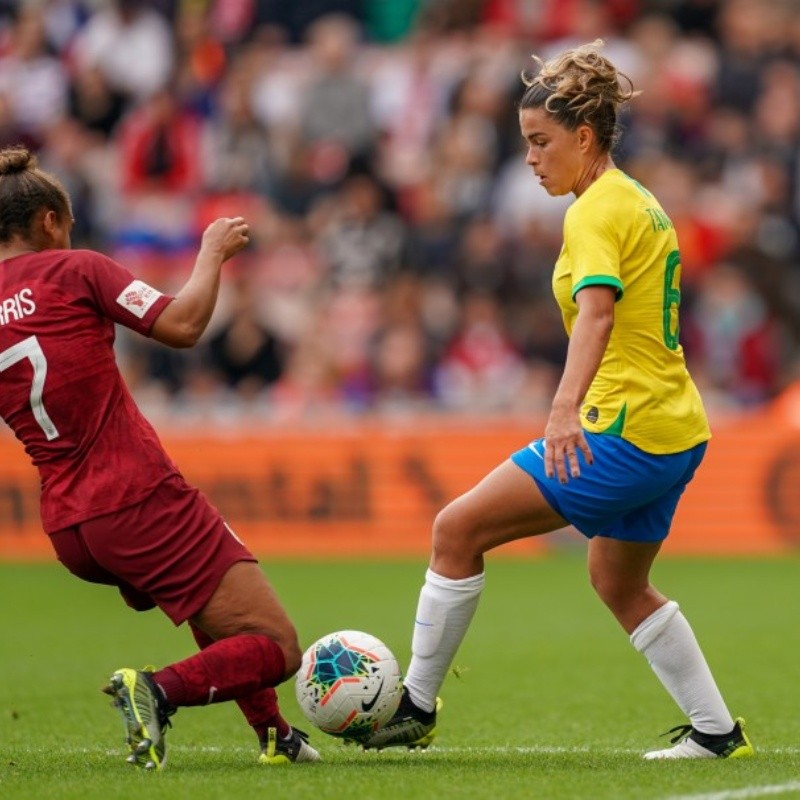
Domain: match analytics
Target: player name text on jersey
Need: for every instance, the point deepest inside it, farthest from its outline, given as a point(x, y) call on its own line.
point(17, 306)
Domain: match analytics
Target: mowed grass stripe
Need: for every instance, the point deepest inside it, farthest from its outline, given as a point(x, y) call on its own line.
point(743, 794)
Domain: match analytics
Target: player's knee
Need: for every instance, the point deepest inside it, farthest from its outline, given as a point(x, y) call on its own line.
point(453, 532)
point(293, 660)
point(292, 655)
point(614, 590)
point(603, 584)
point(286, 639)
point(287, 642)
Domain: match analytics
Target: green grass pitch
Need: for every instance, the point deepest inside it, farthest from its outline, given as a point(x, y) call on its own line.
point(552, 701)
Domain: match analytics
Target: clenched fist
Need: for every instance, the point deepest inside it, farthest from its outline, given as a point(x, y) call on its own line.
point(226, 236)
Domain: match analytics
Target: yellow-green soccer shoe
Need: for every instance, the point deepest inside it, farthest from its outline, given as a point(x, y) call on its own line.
point(692, 743)
point(144, 714)
point(293, 750)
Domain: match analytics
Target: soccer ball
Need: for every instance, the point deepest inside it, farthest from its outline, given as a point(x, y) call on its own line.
point(349, 684)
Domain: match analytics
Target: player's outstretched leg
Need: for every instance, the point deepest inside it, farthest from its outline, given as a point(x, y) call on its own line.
point(692, 743)
point(144, 713)
point(278, 741)
point(409, 727)
point(294, 749)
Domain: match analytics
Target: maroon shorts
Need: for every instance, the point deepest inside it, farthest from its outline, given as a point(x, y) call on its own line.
point(171, 550)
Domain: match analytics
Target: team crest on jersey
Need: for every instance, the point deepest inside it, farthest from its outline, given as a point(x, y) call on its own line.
point(137, 298)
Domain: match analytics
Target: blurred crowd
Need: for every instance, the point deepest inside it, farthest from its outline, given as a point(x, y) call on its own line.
point(402, 251)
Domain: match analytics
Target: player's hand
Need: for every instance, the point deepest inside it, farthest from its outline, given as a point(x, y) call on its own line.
point(226, 236)
point(563, 438)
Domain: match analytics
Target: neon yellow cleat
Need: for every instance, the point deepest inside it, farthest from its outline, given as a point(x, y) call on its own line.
point(144, 715)
point(294, 750)
point(692, 743)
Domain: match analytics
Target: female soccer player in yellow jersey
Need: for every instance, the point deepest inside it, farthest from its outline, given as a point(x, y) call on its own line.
point(626, 430)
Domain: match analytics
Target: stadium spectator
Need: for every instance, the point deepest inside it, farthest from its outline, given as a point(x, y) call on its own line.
point(232, 21)
point(243, 351)
point(744, 31)
point(624, 436)
point(67, 147)
point(464, 157)
point(131, 44)
point(94, 103)
point(715, 135)
point(297, 18)
point(735, 338)
point(11, 133)
point(237, 151)
point(200, 57)
point(409, 92)
point(335, 105)
point(160, 170)
point(401, 353)
point(33, 81)
point(160, 147)
point(310, 387)
point(364, 242)
point(433, 235)
point(481, 368)
point(115, 507)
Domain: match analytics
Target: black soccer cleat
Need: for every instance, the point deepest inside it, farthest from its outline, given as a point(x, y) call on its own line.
point(410, 727)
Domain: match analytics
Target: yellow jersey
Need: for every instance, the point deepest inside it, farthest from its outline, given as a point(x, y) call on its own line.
point(616, 234)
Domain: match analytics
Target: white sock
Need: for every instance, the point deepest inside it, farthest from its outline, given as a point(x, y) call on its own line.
point(666, 640)
point(444, 612)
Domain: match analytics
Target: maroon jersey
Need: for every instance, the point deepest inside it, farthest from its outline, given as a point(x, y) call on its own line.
point(60, 389)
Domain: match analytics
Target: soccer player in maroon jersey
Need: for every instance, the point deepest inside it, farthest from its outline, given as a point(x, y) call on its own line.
point(113, 504)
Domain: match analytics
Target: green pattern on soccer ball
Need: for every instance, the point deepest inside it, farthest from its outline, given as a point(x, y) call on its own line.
point(335, 661)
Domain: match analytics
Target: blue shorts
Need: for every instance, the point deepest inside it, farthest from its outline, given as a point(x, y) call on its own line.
point(625, 494)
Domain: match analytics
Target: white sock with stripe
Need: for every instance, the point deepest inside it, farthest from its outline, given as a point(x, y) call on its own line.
point(444, 612)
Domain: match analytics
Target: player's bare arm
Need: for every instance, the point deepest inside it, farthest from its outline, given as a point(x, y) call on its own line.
point(183, 321)
point(564, 433)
